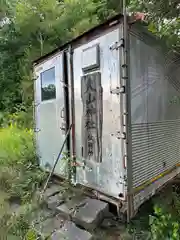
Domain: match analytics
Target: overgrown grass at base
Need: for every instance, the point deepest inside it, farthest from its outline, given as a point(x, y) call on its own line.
point(20, 177)
point(19, 172)
point(16, 145)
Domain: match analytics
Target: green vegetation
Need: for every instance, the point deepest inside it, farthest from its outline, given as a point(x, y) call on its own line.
point(165, 223)
point(19, 173)
point(159, 217)
point(20, 177)
point(31, 28)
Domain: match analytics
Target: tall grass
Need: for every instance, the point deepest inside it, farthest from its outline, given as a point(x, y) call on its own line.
point(20, 177)
point(16, 145)
point(19, 172)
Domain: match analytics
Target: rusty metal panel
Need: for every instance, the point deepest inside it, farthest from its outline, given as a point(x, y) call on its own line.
point(106, 175)
point(155, 118)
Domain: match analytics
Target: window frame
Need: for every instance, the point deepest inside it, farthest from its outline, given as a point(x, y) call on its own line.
point(41, 84)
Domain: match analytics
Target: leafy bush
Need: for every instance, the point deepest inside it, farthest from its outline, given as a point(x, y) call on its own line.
point(21, 117)
point(16, 145)
point(19, 172)
point(20, 177)
point(165, 224)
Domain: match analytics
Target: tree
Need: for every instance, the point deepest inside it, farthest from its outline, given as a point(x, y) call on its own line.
point(31, 28)
point(163, 18)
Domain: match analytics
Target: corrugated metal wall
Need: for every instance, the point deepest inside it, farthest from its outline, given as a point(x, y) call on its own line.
point(155, 116)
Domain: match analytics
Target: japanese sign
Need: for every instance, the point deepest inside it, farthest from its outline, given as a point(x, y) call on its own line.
point(92, 114)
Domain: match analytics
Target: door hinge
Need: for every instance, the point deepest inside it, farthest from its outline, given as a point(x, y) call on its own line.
point(35, 78)
point(120, 135)
point(63, 127)
point(118, 90)
point(36, 104)
point(117, 45)
point(36, 130)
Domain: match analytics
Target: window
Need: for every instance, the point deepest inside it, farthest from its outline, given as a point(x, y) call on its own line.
point(91, 58)
point(48, 87)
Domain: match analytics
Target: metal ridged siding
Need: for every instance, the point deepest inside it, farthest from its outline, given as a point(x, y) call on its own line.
point(155, 148)
point(155, 127)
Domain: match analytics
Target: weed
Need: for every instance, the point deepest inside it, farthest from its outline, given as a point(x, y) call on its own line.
point(20, 177)
point(165, 223)
point(19, 172)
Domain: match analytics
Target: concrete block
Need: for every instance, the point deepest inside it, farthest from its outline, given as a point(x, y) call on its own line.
point(52, 190)
point(54, 201)
point(41, 215)
point(86, 212)
point(90, 214)
point(49, 226)
point(71, 232)
point(67, 208)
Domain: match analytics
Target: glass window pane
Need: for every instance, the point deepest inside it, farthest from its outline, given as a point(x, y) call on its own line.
point(48, 87)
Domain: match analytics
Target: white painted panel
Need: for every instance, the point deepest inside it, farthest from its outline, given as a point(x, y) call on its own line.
point(90, 57)
point(48, 119)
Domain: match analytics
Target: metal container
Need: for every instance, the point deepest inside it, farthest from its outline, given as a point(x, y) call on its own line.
point(121, 94)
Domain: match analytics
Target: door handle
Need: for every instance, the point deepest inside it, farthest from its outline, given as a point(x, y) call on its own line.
point(82, 152)
point(62, 113)
point(63, 127)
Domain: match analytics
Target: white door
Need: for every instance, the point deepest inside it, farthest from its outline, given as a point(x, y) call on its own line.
point(49, 112)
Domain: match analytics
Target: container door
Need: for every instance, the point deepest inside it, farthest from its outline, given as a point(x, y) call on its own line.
point(50, 112)
point(98, 116)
